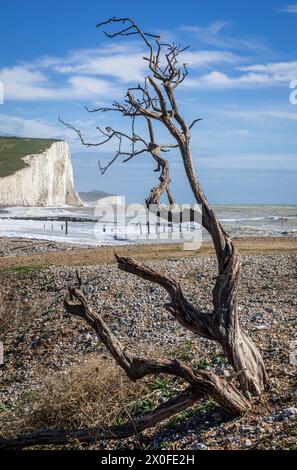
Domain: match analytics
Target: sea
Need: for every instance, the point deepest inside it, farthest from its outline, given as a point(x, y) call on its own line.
point(87, 226)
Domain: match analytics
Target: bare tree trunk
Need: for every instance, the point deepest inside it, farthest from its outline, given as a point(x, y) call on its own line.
point(237, 345)
point(163, 166)
point(222, 324)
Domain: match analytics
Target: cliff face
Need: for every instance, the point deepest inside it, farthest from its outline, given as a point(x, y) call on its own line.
point(46, 181)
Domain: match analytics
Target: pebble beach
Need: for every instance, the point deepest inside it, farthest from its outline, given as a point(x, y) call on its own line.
point(41, 340)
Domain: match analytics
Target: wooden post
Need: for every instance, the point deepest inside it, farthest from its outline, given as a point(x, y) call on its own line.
point(170, 222)
point(66, 227)
point(158, 224)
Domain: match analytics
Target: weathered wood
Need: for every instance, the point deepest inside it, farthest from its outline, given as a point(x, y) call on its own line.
point(201, 384)
point(91, 435)
point(138, 367)
point(222, 324)
point(163, 167)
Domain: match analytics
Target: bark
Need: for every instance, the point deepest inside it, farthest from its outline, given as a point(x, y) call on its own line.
point(92, 435)
point(138, 367)
point(237, 345)
point(163, 166)
point(222, 324)
point(201, 384)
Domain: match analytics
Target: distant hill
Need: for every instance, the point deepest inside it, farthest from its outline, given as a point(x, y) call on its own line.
point(92, 196)
point(13, 149)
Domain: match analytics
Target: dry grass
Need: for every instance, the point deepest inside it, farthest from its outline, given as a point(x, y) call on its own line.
point(93, 393)
point(18, 304)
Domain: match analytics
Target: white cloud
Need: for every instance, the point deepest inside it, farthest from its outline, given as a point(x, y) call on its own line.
point(278, 72)
point(24, 83)
point(215, 35)
point(250, 162)
point(12, 125)
point(219, 80)
point(291, 8)
point(18, 126)
point(200, 59)
point(250, 114)
point(126, 63)
point(82, 86)
point(123, 63)
point(258, 75)
point(91, 73)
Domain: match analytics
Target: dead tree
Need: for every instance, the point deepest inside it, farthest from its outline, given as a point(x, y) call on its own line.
point(157, 103)
point(147, 147)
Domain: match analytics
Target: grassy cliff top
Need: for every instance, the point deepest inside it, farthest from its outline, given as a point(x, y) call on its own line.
point(13, 149)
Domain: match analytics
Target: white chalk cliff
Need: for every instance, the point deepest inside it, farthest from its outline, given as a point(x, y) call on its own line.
point(46, 181)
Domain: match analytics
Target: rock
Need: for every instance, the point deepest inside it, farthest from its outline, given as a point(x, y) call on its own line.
point(246, 429)
point(199, 446)
point(290, 413)
point(47, 180)
point(248, 443)
point(270, 309)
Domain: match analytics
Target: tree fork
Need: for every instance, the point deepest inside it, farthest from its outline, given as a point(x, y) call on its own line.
point(157, 104)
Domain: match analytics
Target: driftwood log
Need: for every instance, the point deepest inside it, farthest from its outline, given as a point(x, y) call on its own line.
point(157, 103)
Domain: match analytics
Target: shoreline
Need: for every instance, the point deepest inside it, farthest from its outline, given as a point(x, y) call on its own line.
point(20, 252)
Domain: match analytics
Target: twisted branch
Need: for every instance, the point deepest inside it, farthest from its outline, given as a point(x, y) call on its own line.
point(201, 384)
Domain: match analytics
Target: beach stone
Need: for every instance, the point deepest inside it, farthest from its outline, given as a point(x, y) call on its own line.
point(248, 443)
point(270, 309)
point(54, 342)
point(199, 446)
point(290, 413)
point(246, 429)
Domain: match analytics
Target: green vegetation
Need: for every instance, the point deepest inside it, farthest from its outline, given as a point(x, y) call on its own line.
point(197, 411)
point(4, 408)
point(144, 406)
point(119, 295)
point(219, 360)
point(183, 351)
point(167, 386)
point(201, 365)
point(24, 269)
point(13, 149)
point(215, 360)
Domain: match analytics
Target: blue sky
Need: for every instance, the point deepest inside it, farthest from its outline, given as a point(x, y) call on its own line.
point(242, 61)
